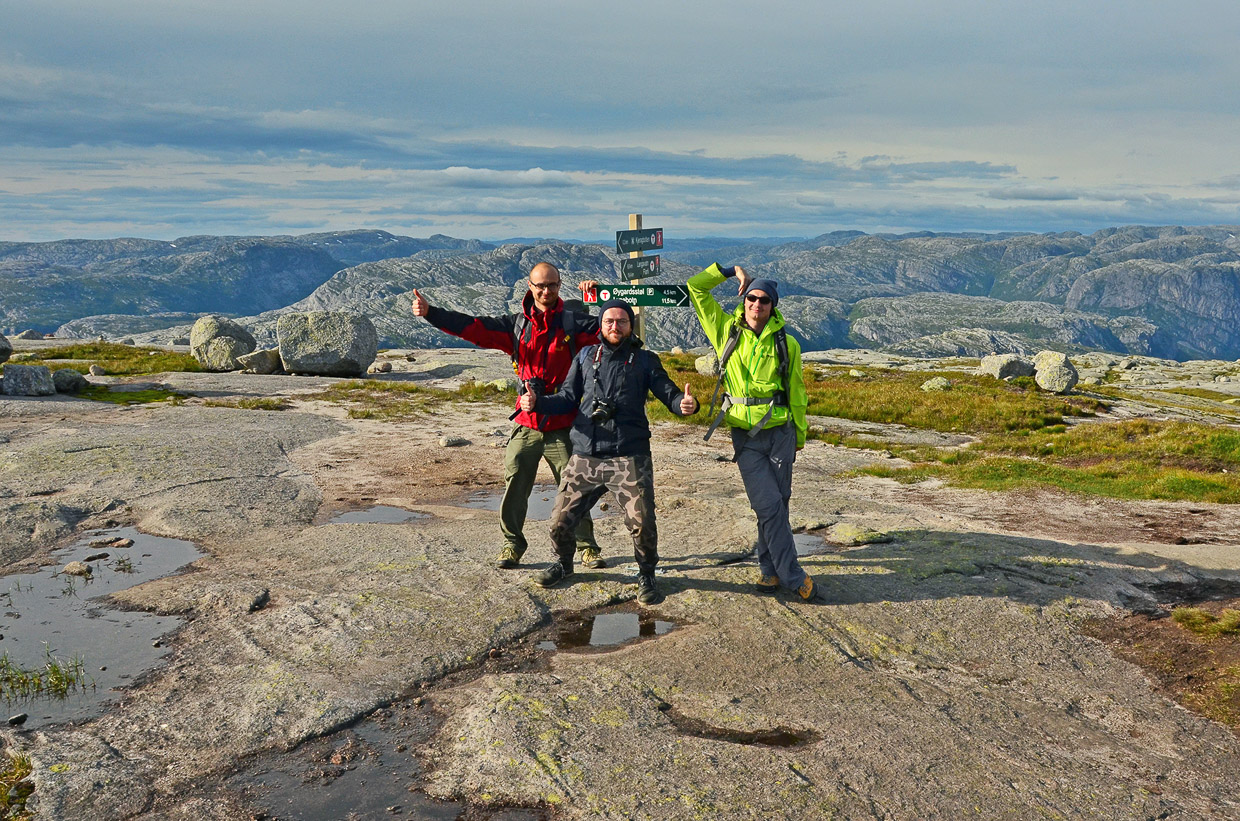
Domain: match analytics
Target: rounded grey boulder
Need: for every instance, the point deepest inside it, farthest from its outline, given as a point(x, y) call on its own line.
point(6, 348)
point(28, 380)
point(327, 343)
point(68, 380)
point(1054, 372)
point(217, 342)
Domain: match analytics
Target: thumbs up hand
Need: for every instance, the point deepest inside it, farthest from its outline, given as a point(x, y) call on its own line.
point(420, 305)
point(688, 405)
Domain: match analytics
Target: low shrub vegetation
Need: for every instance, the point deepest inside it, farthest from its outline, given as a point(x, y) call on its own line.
point(1133, 459)
point(265, 403)
point(1206, 624)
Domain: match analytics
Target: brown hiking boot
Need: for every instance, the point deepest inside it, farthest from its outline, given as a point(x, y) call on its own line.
point(767, 584)
point(508, 558)
point(809, 591)
point(592, 557)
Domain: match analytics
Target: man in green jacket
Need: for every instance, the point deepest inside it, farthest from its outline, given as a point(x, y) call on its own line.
point(764, 407)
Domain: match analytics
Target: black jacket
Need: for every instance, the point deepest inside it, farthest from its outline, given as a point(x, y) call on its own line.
point(621, 376)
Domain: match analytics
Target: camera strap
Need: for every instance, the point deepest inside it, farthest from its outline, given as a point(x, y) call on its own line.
point(624, 374)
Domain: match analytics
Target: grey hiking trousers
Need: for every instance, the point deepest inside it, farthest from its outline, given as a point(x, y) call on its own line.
point(765, 460)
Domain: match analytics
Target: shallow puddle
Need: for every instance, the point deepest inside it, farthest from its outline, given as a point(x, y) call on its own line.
point(379, 514)
point(808, 544)
point(542, 498)
point(592, 631)
point(67, 617)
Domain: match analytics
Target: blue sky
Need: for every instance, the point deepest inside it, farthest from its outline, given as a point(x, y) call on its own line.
point(163, 118)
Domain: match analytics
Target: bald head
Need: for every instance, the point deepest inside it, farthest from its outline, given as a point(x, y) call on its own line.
point(545, 285)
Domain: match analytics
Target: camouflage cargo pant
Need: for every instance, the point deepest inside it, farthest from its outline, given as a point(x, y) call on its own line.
point(585, 479)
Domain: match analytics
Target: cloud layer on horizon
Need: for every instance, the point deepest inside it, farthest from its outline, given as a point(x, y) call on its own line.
point(490, 120)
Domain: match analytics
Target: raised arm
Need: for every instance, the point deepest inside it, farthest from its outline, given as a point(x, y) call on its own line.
point(493, 332)
point(713, 319)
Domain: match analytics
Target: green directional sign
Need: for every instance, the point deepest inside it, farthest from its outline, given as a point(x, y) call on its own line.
point(643, 239)
point(639, 267)
point(665, 296)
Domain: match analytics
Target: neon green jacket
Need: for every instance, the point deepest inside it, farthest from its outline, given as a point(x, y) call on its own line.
point(753, 368)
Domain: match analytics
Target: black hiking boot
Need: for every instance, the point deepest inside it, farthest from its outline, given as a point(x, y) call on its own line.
point(556, 573)
point(647, 593)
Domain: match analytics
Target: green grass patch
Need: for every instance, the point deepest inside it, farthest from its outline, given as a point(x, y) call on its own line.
point(117, 360)
point(1206, 624)
point(101, 393)
point(54, 678)
point(1134, 459)
point(395, 401)
point(15, 788)
point(264, 403)
point(974, 404)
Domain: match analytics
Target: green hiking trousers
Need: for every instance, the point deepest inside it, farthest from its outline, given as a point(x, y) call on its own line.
point(526, 447)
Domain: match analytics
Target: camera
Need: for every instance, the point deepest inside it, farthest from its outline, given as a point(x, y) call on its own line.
point(602, 411)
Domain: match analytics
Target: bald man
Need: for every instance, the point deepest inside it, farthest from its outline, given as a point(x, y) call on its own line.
point(542, 348)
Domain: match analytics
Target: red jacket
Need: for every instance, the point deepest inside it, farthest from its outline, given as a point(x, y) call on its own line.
point(544, 351)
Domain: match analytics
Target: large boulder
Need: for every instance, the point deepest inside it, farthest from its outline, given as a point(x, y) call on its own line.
point(1005, 366)
point(68, 380)
point(28, 380)
point(1054, 372)
point(6, 348)
point(30, 333)
point(216, 342)
point(327, 343)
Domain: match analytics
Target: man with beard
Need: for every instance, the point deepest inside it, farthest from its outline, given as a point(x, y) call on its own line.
point(542, 346)
point(609, 382)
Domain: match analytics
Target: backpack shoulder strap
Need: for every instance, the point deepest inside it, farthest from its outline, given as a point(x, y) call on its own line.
point(518, 331)
point(785, 362)
point(568, 324)
point(734, 336)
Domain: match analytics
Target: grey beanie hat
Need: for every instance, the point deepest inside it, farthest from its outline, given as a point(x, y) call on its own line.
point(769, 285)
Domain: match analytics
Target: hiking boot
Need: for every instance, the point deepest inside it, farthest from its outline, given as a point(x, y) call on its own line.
point(555, 574)
point(766, 584)
point(592, 557)
point(647, 593)
point(809, 591)
point(509, 557)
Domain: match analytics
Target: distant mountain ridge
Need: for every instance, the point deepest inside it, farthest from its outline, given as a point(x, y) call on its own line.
point(1168, 291)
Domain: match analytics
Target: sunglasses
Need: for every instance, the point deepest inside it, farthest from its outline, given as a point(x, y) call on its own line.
point(761, 300)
